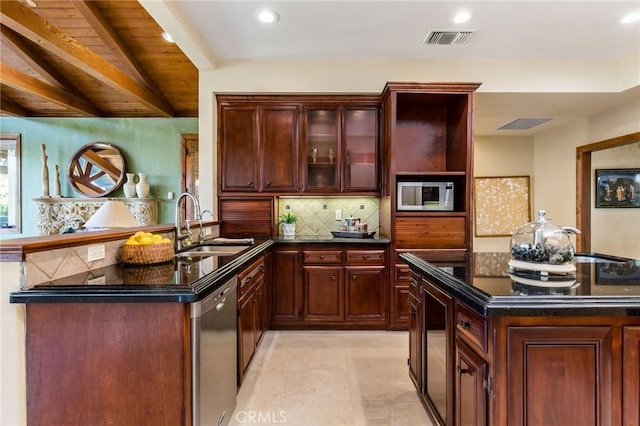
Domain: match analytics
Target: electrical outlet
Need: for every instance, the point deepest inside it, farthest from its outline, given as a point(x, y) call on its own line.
point(95, 253)
point(338, 214)
point(97, 280)
point(361, 206)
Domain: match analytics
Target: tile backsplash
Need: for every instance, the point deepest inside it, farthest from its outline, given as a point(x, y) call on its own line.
point(317, 216)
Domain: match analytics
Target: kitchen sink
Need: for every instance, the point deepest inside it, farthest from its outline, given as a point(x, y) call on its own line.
point(211, 250)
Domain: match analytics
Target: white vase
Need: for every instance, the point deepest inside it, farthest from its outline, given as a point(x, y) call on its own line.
point(288, 229)
point(129, 186)
point(142, 187)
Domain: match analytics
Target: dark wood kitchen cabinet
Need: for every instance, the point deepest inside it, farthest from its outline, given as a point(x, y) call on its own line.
point(329, 286)
point(470, 387)
point(414, 304)
point(280, 144)
point(252, 293)
point(631, 376)
point(258, 147)
point(341, 144)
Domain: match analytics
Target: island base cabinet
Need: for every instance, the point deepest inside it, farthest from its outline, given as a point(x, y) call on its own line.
point(470, 391)
point(108, 363)
point(559, 375)
point(631, 376)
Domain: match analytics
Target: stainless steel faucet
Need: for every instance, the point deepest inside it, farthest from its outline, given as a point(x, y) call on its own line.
point(180, 236)
point(201, 234)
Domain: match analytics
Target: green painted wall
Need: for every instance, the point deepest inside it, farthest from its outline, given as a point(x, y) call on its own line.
point(149, 145)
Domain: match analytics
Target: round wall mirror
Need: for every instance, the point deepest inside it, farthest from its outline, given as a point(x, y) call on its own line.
point(96, 169)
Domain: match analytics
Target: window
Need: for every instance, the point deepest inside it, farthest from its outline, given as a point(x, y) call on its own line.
point(10, 218)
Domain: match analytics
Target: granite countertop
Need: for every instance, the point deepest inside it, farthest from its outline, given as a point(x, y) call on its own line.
point(483, 282)
point(182, 280)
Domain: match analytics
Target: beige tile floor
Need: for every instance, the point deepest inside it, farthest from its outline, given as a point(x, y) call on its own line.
point(330, 378)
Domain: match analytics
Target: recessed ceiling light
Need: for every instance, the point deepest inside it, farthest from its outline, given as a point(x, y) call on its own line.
point(632, 17)
point(266, 16)
point(31, 3)
point(461, 17)
point(167, 37)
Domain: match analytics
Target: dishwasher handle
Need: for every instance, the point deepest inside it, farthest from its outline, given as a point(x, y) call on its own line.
point(215, 300)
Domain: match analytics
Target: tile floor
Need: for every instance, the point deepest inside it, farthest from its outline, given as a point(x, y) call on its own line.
point(330, 378)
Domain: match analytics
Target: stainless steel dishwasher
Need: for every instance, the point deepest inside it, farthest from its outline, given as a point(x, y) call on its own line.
point(214, 356)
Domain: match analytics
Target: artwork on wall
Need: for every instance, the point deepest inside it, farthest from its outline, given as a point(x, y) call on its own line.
point(616, 188)
point(502, 205)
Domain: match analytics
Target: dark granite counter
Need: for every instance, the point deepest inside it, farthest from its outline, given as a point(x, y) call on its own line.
point(183, 280)
point(602, 286)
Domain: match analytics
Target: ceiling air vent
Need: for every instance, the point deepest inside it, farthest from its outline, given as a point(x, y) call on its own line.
point(447, 37)
point(524, 123)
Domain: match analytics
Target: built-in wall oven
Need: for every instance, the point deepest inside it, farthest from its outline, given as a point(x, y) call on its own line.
point(214, 356)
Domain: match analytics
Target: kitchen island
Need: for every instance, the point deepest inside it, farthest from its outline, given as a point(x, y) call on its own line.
point(490, 348)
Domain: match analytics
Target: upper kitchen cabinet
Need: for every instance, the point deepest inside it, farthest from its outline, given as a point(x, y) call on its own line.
point(321, 135)
point(258, 146)
point(341, 145)
point(238, 133)
point(284, 144)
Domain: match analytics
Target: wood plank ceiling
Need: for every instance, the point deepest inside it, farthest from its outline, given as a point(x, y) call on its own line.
point(83, 58)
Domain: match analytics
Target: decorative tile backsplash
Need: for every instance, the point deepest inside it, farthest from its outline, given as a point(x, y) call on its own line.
point(317, 216)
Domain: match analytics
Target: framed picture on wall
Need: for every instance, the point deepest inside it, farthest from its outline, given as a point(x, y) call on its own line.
point(617, 188)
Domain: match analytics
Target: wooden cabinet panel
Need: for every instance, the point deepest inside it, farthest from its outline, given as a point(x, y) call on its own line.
point(631, 376)
point(360, 153)
point(322, 256)
point(365, 298)
point(286, 285)
point(279, 160)
point(246, 217)
point(430, 232)
point(415, 320)
point(246, 332)
point(239, 148)
point(400, 314)
point(420, 139)
point(323, 293)
point(559, 375)
point(471, 395)
point(365, 256)
point(125, 362)
point(471, 325)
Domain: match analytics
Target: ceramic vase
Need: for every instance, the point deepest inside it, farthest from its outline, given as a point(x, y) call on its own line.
point(288, 229)
point(142, 187)
point(129, 186)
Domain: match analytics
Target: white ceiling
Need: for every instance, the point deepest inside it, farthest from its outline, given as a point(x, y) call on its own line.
point(507, 30)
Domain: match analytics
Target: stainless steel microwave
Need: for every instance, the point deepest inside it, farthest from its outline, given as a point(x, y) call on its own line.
point(425, 196)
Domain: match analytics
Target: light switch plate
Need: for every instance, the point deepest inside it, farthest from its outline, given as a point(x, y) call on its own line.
point(95, 253)
point(338, 214)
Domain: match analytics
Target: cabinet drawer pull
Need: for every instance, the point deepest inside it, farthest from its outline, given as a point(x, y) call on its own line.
point(322, 256)
point(413, 282)
point(465, 324)
point(365, 257)
point(333, 277)
point(353, 277)
point(261, 268)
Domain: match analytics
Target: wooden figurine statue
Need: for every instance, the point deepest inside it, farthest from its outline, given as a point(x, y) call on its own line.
point(56, 187)
point(45, 172)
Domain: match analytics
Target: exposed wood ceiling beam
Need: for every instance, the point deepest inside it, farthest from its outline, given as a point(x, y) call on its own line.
point(35, 61)
point(21, 81)
point(12, 108)
point(22, 20)
point(108, 35)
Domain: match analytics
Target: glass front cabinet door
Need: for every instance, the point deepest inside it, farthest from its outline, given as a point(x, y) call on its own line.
point(360, 150)
point(322, 149)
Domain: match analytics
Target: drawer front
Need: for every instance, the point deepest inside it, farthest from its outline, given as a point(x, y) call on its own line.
point(471, 325)
point(251, 275)
point(401, 273)
point(322, 256)
point(375, 257)
point(414, 284)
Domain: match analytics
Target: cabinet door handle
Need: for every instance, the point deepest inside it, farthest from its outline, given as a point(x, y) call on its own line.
point(333, 277)
point(462, 371)
point(268, 183)
point(250, 183)
point(465, 325)
point(353, 277)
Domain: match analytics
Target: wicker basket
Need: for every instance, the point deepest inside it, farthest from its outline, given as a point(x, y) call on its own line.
point(147, 254)
point(161, 273)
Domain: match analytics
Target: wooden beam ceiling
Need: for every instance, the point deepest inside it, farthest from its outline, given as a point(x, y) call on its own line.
point(31, 26)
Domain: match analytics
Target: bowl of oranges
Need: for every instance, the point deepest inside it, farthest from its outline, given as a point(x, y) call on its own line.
point(145, 248)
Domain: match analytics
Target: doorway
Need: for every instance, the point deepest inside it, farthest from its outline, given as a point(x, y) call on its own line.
point(584, 188)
